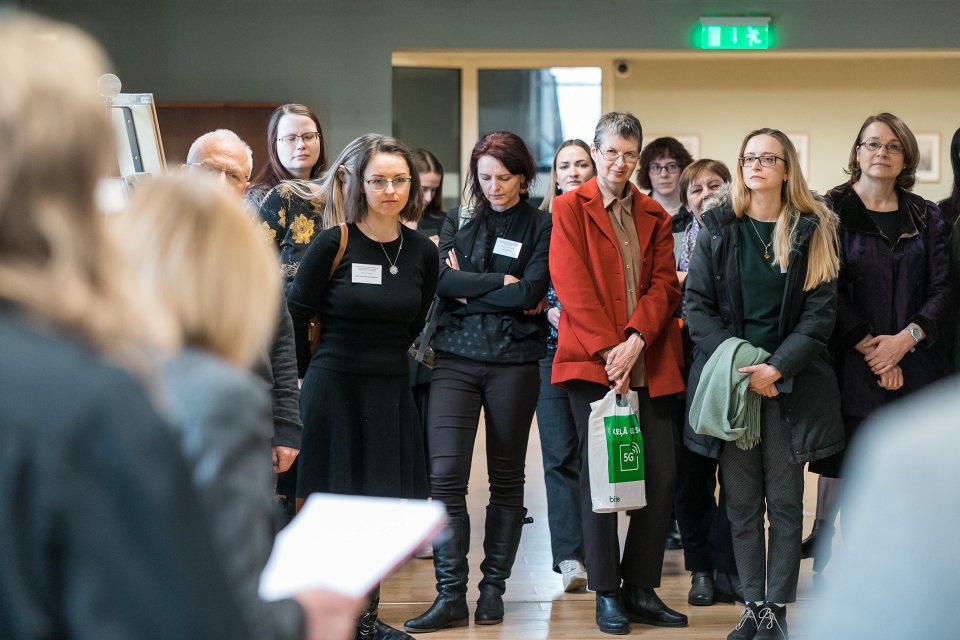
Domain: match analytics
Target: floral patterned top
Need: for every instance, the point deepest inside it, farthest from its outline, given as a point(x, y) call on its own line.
point(552, 303)
point(290, 222)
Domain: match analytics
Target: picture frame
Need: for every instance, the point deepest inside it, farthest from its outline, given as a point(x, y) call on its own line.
point(690, 141)
point(928, 165)
point(801, 141)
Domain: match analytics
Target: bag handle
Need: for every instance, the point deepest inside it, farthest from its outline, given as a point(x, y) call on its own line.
point(340, 250)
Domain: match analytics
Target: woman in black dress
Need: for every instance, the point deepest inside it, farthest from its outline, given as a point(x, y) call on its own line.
point(361, 433)
point(490, 340)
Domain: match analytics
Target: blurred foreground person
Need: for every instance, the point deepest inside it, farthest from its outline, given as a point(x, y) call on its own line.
point(100, 532)
point(895, 576)
point(194, 249)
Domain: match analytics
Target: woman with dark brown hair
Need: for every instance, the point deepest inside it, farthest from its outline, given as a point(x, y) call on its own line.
point(295, 151)
point(491, 337)
point(431, 184)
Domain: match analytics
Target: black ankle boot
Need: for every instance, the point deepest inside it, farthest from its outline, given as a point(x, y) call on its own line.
point(772, 623)
point(369, 627)
point(701, 589)
point(500, 541)
point(818, 545)
point(450, 564)
point(611, 615)
point(643, 605)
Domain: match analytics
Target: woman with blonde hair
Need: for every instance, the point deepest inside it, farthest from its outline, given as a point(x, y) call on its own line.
point(765, 271)
point(94, 489)
point(192, 249)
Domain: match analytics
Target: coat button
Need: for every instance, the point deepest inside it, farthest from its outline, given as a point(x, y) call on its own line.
point(714, 237)
point(718, 277)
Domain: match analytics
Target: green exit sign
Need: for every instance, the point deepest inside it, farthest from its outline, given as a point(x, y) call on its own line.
point(734, 33)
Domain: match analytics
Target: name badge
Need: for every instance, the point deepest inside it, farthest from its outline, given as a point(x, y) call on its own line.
point(507, 248)
point(367, 273)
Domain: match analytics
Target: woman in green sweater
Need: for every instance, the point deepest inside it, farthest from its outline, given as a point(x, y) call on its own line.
point(764, 269)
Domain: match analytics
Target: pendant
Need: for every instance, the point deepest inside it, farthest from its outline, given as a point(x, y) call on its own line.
point(766, 255)
point(394, 270)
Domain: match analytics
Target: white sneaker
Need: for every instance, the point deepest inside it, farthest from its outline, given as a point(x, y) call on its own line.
point(574, 575)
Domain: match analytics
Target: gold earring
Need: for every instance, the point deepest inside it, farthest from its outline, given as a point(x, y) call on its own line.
point(523, 188)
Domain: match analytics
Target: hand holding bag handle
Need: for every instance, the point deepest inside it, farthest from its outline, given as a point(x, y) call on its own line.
point(313, 328)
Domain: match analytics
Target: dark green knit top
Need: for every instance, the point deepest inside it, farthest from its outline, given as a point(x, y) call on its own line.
point(761, 283)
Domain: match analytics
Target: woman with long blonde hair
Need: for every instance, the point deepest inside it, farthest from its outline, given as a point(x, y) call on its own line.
point(101, 534)
point(765, 271)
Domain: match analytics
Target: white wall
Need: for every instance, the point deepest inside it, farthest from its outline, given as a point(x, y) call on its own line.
point(721, 100)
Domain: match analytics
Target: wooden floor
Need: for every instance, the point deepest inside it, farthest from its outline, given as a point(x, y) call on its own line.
point(536, 606)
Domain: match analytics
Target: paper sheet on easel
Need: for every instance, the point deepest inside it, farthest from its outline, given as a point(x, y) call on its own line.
point(347, 543)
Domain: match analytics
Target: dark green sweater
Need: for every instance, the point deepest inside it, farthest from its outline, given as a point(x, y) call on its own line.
point(761, 284)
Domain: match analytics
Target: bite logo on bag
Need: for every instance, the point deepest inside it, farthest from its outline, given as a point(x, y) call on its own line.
point(624, 448)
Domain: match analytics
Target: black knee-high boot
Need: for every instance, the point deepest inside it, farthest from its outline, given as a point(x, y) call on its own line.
point(369, 627)
point(450, 564)
point(500, 541)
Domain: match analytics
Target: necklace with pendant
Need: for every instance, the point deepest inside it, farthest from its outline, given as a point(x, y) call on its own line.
point(766, 245)
point(393, 263)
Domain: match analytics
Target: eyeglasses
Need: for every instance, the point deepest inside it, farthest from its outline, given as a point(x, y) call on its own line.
point(765, 161)
point(671, 167)
point(379, 184)
point(291, 139)
point(894, 148)
point(611, 155)
point(233, 176)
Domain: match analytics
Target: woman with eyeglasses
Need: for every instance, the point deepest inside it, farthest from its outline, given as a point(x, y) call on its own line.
point(361, 431)
point(611, 261)
point(295, 151)
point(491, 337)
point(572, 166)
point(895, 297)
point(764, 271)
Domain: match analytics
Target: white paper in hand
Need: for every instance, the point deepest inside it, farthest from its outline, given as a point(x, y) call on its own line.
point(331, 543)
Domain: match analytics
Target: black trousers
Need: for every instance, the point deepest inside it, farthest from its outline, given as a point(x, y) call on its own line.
point(507, 393)
point(642, 560)
point(704, 527)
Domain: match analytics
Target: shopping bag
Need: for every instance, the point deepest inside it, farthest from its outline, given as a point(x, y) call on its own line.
point(615, 450)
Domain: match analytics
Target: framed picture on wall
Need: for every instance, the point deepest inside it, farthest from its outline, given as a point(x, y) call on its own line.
point(802, 143)
point(928, 167)
point(690, 142)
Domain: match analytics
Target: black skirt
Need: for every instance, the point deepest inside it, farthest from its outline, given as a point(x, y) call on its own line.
point(361, 436)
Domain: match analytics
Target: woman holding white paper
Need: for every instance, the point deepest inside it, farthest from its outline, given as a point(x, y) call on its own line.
point(175, 229)
point(491, 336)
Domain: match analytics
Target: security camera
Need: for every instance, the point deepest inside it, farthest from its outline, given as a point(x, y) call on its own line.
point(621, 68)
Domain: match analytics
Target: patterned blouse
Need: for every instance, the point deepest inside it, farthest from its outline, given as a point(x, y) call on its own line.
point(290, 222)
point(687, 245)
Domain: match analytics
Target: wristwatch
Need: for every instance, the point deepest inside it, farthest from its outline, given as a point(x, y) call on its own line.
point(916, 334)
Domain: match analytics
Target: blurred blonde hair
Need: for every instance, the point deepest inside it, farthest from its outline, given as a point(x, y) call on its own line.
point(56, 262)
point(823, 262)
point(193, 248)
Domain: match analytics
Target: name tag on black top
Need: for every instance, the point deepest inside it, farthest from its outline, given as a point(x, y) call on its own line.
point(367, 273)
point(507, 248)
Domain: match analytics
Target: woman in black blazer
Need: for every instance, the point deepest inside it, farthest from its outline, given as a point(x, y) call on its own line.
point(491, 337)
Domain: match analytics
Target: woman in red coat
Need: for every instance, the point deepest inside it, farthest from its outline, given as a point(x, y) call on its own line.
point(611, 260)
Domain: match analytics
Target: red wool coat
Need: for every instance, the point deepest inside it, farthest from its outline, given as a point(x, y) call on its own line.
point(587, 273)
